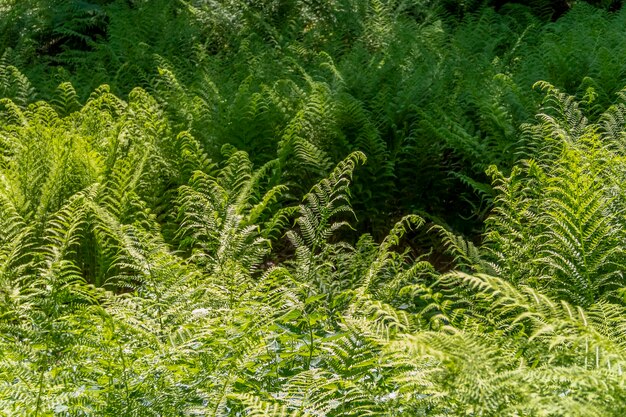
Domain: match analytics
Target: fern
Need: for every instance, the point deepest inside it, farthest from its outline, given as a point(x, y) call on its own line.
point(222, 213)
point(572, 212)
point(184, 230)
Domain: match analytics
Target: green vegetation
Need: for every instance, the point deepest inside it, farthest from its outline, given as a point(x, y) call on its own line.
point(296, 208)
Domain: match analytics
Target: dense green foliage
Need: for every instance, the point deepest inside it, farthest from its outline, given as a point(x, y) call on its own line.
point(291, 208)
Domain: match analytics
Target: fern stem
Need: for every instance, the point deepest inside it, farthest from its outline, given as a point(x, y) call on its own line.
point(40, 391)
point(311, 345)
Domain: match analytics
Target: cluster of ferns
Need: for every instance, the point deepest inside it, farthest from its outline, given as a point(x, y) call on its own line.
point(357, 208)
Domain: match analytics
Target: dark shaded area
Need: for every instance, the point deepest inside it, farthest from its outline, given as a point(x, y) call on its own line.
point(544, 9)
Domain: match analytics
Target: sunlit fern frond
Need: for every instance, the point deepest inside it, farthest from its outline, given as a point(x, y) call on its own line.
point(465, 254)
point(66, 101)
point(16, 86)
point(327, 199)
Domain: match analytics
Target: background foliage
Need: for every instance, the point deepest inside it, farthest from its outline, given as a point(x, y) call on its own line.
point(352, 208)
